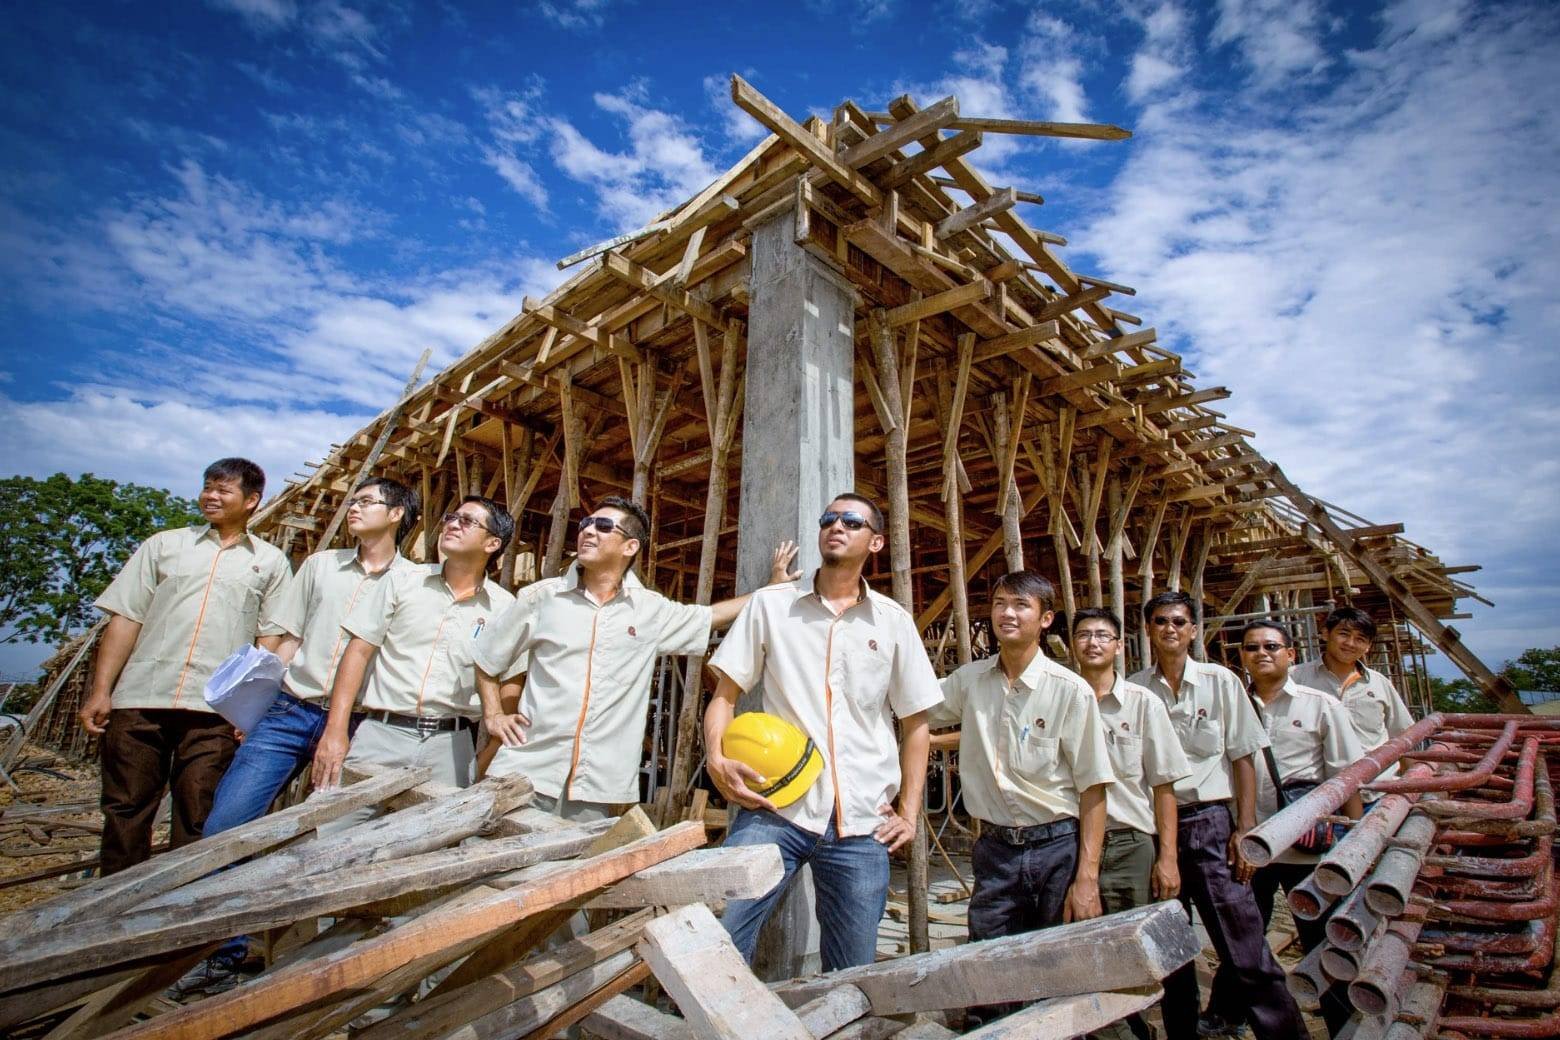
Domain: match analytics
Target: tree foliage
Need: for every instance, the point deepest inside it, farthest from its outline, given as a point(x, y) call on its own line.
point(1535, 669)
point(61, 543)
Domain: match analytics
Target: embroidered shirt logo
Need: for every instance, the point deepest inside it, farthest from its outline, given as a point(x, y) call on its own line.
point(1039, 724)
point(1295, 723)
point(1202, 713)
point(872, 644)
point(632, 632)
point(1125, 728)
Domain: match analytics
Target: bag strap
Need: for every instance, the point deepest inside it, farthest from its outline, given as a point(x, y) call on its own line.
point(1267, 752)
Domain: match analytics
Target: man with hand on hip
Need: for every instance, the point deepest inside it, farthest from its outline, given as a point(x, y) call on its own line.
point(838, 661)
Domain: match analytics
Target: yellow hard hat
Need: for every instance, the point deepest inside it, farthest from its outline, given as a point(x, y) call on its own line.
point(783, 755)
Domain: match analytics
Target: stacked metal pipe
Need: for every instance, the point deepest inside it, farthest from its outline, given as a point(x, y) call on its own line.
point(1444, 901)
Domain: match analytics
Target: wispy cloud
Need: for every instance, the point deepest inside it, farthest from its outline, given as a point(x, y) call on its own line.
point(1052, 68)
point(262, 15)
point(515, 126)
point(576, 14)
point(1277, 39)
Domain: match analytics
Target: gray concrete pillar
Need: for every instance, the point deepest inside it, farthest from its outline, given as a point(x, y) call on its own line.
point(798, 452)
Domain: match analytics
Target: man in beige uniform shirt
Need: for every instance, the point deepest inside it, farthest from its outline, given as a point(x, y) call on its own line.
point(1219, 731)
point(182, 604)
point(417, 631)
point(838, 661)
point(1310, 740)
point(587, 642)
point(1374, 704)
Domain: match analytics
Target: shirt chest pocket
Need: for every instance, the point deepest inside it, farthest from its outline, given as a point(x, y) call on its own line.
point(866, 670)
point(1126, 755)
point(240, 594)
point(1368, 716)
point(1201, 736)
point(1037, 758)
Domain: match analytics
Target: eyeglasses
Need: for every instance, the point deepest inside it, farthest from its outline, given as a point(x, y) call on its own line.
point(465, 522)
point(1270, 647)
point(1096, 637)
point(1173, 622)
point(604, 524)
point(852, 521)
point(364, 503)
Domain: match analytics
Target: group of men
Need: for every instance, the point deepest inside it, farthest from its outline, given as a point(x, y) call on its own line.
point(1094, 792)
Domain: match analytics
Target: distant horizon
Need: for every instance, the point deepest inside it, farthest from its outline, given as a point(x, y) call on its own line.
point(232, 227)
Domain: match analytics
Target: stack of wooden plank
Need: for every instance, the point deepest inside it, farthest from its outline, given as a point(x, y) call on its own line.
point(367, 916)
point(458, 914)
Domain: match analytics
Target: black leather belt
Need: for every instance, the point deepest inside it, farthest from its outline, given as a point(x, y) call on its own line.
point(1193, 808)
point(1021, 836)
point(422, 723)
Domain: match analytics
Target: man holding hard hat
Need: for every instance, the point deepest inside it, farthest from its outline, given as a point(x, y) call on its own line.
point(817, 771)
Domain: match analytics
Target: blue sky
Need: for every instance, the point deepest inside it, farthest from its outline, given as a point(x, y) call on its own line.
point(233, 226)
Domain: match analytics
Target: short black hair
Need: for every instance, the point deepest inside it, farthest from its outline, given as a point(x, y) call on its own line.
point(500, 524)
point(397, 496)
point(636, 522)
point(1263, 623)
point(250, 477)
point(1097, 614)
point(1354, 618)
point(1029, 584)
point(1170, 599)
point(875, 515)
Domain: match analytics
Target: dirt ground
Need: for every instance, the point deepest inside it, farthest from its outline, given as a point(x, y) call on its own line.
point(29, 842)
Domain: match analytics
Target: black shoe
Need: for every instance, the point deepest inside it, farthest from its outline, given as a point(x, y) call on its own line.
point(216, 974)
point(1213, 1024)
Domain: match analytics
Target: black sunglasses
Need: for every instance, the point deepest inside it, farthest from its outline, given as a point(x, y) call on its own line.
point(1271, 648)
point(604, 524)
point(852, 521)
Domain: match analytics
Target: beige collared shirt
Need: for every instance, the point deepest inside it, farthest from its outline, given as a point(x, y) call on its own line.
point(1028, 748)
point(587, 686)
point(1144, 753)
point(321, 595)
point(425, 638)
point(841, 679)
point(1374, 704)
point(1312, 740)
point(1215, 723)
point(196, 603)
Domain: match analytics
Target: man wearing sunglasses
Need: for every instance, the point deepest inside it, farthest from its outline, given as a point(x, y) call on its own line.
point(412, 639)
point(1311, 740)
point(839, 661)
point(587, 642)
point(1220, 732)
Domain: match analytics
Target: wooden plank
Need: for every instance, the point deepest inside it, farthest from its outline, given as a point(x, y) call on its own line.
point(563, 1021)
point(929, 159)
point(1030, 127)
point(437, 1014)
point(695, 961)
point(623, 1018)
point(929, 120)
point(794, 134)
point(1134, 948)
point(641, 278)
point(1116, 344)
point(940, 303)
point(701, 876)
point(1014, 341)
point(594, 334)
point(363, 962)
point(1069, 1016)
point(119, 892)
point(971, 216)
point(13, 746)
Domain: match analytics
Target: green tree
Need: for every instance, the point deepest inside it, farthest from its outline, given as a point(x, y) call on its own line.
point(61, 543)
point(1535, 669)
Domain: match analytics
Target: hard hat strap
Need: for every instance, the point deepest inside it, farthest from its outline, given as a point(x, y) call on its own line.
point(796, 770)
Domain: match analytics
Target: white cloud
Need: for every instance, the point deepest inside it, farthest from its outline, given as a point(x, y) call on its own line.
point(515, 126)
point(1162, 60)
point(1278, 39)
point(1374, 280)
point(663, 165)
point(262, 15)
point(739, 127)
point(575, 14)
point(1052, 70)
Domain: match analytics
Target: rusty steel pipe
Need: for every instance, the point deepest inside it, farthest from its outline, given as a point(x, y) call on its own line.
point(1307, 902)
point(1481, 832)
point(1498, 944)
point(1517, 808)
point(1497, 866)
point(1505, 1028)
point(1281, 830)
point(1364, 1027)
point(1343, 965)
point(1458, 781)
point(1344, 866)
point(1351, 927)
point(1375, 989)
point(1486, 910)
point(1388, 888)
point(1307, 980)
point(1486, 960)
point(1484, 721)
point(1548, 997)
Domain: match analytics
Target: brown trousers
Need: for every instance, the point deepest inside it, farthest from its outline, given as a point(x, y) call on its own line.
point(145, 752)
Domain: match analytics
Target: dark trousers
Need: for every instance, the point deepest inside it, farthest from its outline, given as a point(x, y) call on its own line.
point(1228, 911)
point(1126, 867)
point(1265, 884)
point(1019, 888)
point(148, 750)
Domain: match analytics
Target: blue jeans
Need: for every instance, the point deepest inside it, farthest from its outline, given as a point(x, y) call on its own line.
point(850, 876)
point(268, 759)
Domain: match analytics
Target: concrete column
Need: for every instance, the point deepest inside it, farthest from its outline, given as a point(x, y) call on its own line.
point(798, 452)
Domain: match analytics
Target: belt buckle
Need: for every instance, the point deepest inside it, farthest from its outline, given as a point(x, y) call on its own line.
point(1013, 835)
point(427, 726)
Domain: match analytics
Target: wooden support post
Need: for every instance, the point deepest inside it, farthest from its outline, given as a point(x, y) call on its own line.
point(1005, 436)
point(722, 406)
point(953, 515)
point(1113, 551)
